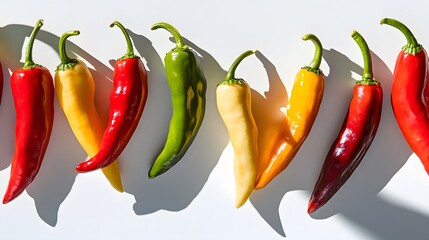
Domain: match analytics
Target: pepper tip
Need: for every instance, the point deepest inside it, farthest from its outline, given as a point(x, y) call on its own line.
point(84, 167)
point(259, 184)
point(312, 206)
point(8, 198)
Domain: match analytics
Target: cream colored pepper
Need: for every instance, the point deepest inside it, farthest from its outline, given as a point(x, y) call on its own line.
point(234, 105)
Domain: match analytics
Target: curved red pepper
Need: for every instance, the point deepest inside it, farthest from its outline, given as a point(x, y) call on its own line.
point(127, 101)
point(410, 93)
point(355, 137)
point(33, 96)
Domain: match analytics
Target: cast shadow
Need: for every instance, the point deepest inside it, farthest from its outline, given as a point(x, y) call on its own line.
point(358, 201)
point(303, 171)
point(269, 119)
point(57, 175)
point(175, 189)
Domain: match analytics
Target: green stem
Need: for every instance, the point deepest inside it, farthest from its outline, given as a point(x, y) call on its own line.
point(62, 46)
point(412, 46)
point(29, 51)
point(179, 40)
point(231, 72)
point(317, 59)
point(130, 50)
point(66, 62)
point(367, 66)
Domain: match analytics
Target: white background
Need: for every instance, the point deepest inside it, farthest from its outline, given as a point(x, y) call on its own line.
point(386, 198)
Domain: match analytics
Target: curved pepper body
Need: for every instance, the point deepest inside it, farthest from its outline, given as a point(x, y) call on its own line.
point(410, 102)
point(347, 151)
point(33, 95)
point(233, 102)
point(356, 134)
point(410, 93)
point(188, 89)
point(233, 98)
point(75, 89)
point(301, 112)
point(127, 101)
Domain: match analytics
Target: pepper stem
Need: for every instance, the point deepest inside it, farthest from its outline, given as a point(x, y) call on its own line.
point(231, 72)
point(130, 50)
point(179, 40)
point(412, 46)
point(367, 66)
point(317, 59)
point(62, 46)
point(29, 51)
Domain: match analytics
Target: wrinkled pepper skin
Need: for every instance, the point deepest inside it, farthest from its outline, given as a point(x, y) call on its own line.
point(75, 90)
point(33, 95)
point(188, 89)
point(234, 104)
point(127, 102)
point(410, 93)
point(301, 112)
point(356, 135)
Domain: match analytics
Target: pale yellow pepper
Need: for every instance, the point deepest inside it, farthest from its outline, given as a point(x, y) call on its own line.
point(233, 102)
point(301, 111)
point(75, 90)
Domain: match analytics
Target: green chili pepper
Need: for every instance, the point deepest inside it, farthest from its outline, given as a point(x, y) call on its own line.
point(188, 89)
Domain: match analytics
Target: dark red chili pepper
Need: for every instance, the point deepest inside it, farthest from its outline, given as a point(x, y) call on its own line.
point(127, 101)
point(410, 93)
point(356, 134)
point(33, 96)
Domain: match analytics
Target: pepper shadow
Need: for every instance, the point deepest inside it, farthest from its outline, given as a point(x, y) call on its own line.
point(175, 189)
point(57, 175)
point(357, 200)
point(387, 154)
point(302, 172)
point(269, 119)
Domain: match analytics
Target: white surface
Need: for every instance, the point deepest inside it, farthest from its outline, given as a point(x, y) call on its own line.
point(386, 198)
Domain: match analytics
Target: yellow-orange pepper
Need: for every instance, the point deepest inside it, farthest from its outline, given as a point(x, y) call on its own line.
point(75, 90)
point(233, 102)
point(301, 112)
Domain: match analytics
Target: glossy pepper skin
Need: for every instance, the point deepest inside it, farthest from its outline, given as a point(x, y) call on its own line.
point(75, 89)
point(357, 132)
point(410, 93)
point(301, 111)
point(234, 104)
point(188, 89)
point(33, 96)
point(127, 101)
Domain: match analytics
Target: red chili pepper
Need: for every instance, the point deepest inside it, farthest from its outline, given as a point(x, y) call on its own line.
point(356, 134)
point(410, 93)
point(127, 101)
point(33, 96)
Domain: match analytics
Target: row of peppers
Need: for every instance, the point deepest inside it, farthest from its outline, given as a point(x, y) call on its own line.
point(410, 103)
point(33, 93)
